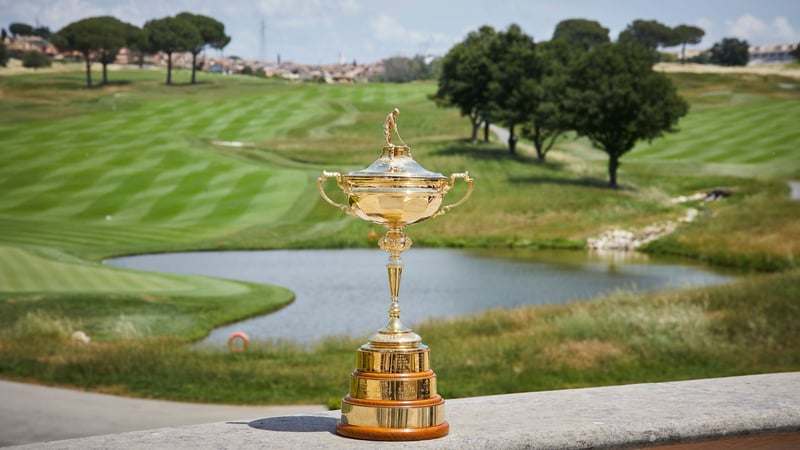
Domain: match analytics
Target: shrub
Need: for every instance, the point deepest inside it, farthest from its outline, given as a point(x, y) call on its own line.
point(35, 59)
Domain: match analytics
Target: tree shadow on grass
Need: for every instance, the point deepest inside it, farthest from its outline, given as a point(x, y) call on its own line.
point(593, 182)
point(491, 151)
point(114, 83)
point(296, 424)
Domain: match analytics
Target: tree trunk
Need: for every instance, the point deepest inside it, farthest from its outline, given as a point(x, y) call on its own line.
point(538, 142)
point(512, 141)
point(169, 68)
point(194, 64)
point(485, 131)
point(476, 124)
point(613, 165)
point(88, 71)
point(105, 68)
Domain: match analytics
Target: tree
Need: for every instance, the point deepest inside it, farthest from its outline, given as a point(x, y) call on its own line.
point(650, 34)
point(467, 72)
point(35, 59)
point(137, 43)
point(730, 52)
point(688, 34)
point(581, 33)
point(211, 33)
point(20, 29)
point(170, 35)
point(516, 80)
point(615, 99)
point(101, 36)
point(3, 54)
point(796, 52)
point(400, 69)
point(547, 120)
point(42, 32)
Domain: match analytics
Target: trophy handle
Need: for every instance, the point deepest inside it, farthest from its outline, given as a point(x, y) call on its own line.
point(464, 176)
point(321, 181)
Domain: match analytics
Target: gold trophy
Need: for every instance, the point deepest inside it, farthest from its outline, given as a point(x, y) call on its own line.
point(393, 389)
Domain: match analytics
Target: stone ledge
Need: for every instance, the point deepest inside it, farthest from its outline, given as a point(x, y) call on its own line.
point(615, 416)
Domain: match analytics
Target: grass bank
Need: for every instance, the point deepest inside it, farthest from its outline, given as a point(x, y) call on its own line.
point(232, 162)
point(747, 327)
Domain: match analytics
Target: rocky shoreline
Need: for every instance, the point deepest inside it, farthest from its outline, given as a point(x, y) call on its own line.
point(620, 239)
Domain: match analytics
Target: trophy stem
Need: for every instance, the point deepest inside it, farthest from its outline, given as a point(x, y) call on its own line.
point(395, 334)
point(395, 269)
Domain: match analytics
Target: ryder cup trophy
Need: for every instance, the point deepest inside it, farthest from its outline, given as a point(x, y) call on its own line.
point(393, 389)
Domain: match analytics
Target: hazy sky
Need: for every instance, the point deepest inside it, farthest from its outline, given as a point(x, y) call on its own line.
point(318, 31)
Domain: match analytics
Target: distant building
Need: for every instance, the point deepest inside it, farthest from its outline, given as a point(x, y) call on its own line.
point(771, 54)
point(757, 54)
point(22, 44)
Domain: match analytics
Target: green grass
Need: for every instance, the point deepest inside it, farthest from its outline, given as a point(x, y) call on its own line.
point(748, 327)
point(138, 167)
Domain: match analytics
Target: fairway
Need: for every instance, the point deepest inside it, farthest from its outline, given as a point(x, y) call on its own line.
point(746, 133)
point(146, 168)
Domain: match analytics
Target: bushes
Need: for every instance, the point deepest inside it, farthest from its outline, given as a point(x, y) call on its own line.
point(35, 59)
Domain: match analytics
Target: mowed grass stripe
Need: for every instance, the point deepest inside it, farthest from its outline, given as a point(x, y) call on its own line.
point(238, 201)
point(61, 235)
point(173, 202)
point(758, 131)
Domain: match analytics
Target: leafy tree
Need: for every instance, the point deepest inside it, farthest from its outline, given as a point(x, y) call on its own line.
point(42, 32)
point(400, 69)
point(211, 33)
point(547, 120)
point(615, 99)
point(137, 43)
point(20, 29)
point(170, 35)
point(514, 89)
point(581, 33)
point(221, 44)
point(796, 51)
point(730, 52)
point(650, 34)
point(688, 34)
point(467, 72)
point(35, 59)
point(102, 36)
point(431, 67)
point(3, 54)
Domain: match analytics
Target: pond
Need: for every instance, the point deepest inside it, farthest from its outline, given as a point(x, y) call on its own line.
point(345, 292)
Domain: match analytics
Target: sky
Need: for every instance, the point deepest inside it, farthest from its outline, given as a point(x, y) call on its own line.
point(366, 31)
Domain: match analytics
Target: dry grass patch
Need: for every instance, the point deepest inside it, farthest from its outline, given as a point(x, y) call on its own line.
point(584, 354)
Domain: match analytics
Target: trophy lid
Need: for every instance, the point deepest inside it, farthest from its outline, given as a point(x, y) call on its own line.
point(396, 161)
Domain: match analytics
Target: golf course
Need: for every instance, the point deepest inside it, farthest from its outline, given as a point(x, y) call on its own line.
point(231, 163)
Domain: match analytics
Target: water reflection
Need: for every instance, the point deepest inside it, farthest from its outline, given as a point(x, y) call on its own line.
point(345, 292)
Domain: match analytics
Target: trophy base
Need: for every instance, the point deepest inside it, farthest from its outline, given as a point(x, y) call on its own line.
point(393, 434)
point(393, 395)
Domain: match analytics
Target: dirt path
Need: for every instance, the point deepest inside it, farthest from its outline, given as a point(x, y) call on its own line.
point(31, 413)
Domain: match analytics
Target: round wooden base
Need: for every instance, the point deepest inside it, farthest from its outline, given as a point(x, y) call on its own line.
point(393, 434)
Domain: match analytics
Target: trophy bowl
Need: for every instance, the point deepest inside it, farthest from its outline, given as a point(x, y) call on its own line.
point(395, 190)
point(393, 389)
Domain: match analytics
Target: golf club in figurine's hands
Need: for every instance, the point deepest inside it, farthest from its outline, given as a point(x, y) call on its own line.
point(393, 390)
